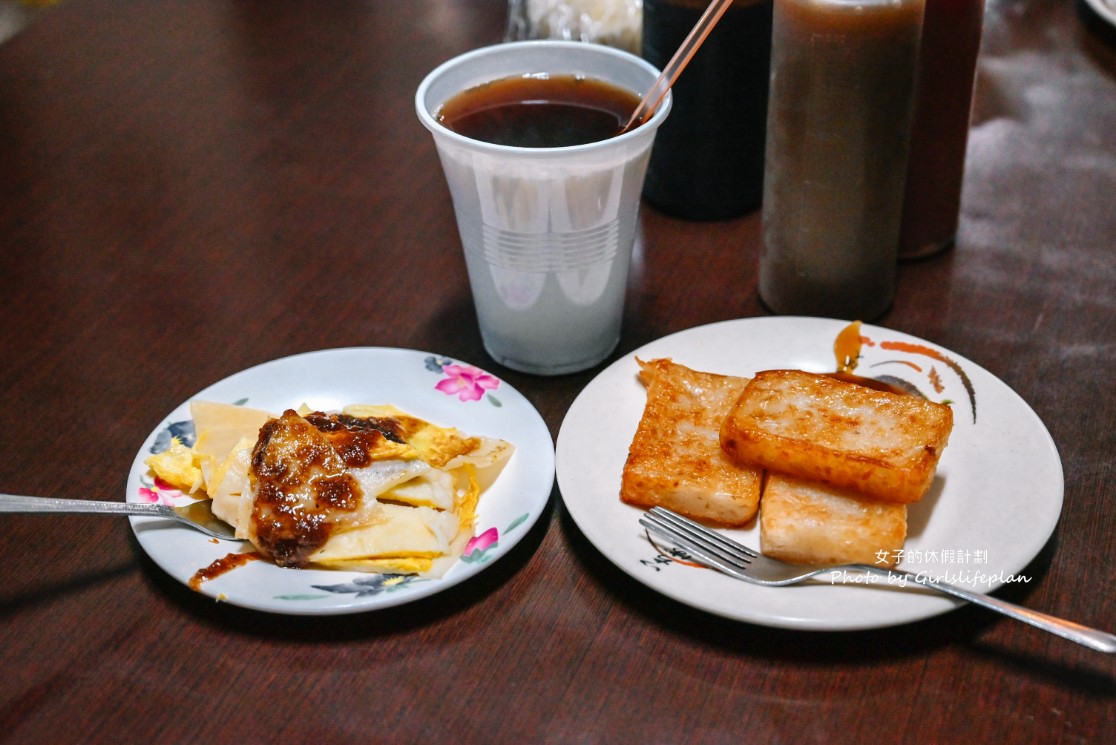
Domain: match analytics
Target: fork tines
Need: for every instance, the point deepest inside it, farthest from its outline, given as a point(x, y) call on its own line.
point(704, 544)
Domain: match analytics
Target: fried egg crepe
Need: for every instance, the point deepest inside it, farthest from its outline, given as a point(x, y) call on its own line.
point(370, 489)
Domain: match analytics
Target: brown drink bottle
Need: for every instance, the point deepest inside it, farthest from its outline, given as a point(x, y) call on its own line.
point(839, 119)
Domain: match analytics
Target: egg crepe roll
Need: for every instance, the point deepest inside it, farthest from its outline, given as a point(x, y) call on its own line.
point(370, 489)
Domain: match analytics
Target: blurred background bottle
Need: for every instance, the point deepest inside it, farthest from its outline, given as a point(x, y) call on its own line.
point(946, 76)
point(707, 162)
point(839, 122)
point(614, 23)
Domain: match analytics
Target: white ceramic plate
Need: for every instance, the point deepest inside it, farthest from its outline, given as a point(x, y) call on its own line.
point(994, 503)
point(434, 388)
point(1106, 9)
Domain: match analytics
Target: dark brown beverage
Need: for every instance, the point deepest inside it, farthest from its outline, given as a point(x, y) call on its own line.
point(536, 111)
point(839, 122)
point(946, 74)
point(708, 158)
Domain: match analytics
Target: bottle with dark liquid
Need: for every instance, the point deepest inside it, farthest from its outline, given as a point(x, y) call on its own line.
point(707, 162)
point(946, 74)
point(838, 135)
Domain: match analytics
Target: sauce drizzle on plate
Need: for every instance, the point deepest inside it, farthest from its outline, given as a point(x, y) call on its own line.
point(223, 565)
point(846, 347)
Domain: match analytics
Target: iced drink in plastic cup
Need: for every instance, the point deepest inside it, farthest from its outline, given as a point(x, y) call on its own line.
point(547, 230)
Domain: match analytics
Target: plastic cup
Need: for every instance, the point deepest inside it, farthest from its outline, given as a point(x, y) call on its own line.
point(547, 232)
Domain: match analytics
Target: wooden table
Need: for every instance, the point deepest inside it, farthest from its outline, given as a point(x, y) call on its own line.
point(191, 188)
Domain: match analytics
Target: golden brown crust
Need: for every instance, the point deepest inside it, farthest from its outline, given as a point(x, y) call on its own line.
point(808, 523)
point(675, 461)
point(882, 445)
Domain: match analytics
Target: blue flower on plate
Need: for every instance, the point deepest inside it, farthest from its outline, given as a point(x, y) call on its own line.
point(184, 431)
point(373, 584)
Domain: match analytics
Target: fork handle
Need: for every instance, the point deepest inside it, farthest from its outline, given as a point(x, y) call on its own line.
point(1075, 632)
point(16, 503)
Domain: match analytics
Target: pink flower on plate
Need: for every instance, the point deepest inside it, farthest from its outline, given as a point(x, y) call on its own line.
point(163, 493)
point(478, 544)
point(468, 383)
point(155, 496)
point(149, 495)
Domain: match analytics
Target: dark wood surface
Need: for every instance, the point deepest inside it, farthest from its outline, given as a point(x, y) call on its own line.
point(191, 188)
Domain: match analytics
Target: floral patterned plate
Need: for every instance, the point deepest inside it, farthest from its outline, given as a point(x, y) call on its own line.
point(441, 390)
point(994, 503)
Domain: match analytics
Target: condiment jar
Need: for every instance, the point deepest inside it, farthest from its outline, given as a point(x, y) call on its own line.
point(946, 76)
point(838, 131)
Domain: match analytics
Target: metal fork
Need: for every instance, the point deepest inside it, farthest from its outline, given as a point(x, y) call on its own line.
point(196, 514)
point(740, 562)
